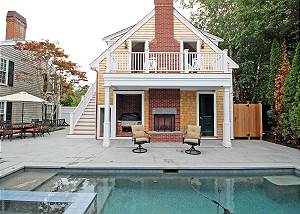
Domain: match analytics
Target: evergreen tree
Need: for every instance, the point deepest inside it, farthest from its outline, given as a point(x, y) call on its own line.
point(275, 61)
point(279, 86)
point(291, 99)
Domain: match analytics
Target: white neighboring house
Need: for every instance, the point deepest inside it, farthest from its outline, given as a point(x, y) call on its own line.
point(17, 75)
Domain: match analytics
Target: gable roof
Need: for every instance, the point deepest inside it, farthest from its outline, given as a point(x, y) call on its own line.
point(117, 34)
point(131, 30)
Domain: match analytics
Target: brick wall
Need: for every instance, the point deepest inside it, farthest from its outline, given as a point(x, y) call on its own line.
point(15, 26)
point(129, 104)
point(188, 109)
point(164, 40)
point(166, 137)
point(164, 98)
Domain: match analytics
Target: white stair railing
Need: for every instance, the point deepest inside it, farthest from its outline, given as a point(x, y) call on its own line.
point(76, 114)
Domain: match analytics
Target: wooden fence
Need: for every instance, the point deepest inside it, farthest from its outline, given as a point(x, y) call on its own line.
point(248, 120)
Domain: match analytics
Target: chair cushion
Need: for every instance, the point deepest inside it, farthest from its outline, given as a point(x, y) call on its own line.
point(191, 141)
point(139, 134)
point(142, 139)
point(136, 128)
point(16, 131)
point(32, 130)
point(193, 132)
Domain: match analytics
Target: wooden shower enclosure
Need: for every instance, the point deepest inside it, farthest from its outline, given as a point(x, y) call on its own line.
point(248, 120)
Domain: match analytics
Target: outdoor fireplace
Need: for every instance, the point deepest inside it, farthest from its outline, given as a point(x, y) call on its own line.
point(164, 119)
point(164, 122)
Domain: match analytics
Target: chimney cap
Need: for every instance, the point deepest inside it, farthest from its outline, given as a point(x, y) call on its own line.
point(15, 14)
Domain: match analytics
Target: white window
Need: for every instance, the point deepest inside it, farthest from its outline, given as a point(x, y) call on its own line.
point(2, 111)
point(3, 71)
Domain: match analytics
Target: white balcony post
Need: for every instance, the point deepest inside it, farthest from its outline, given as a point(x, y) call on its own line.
point(227, 122)
point(186, 60)
point(225, 60)
point(108, 61)
point(147, 56)
point(106, 134)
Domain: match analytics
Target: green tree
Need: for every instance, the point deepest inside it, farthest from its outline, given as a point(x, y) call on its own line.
point(280, 78)
point(248, 28)
point(275, 61)
point(291, 99)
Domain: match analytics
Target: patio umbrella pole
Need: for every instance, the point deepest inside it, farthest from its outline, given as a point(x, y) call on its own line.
point(22, 111)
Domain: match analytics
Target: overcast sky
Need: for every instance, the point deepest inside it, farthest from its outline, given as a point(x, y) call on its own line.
point(78, 25)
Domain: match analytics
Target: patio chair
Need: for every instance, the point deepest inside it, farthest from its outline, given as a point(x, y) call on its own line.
point(139, 137)
point(9, 131)
point(35, 128)
point(192, 137)
point(45, 127)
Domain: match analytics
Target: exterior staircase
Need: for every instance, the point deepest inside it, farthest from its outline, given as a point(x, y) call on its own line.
point(83, 119)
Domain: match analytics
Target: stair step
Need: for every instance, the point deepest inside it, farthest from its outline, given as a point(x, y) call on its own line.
point(90, 110)
point(86, 123)
point(85, 128)
point(88, 116)
point(81, 136)
point(89, 113)
point(87, 120)
point(84, 132)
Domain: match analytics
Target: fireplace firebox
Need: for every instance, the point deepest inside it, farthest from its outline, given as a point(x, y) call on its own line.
point(164, 122)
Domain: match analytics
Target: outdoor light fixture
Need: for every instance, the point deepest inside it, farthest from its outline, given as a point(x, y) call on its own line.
point(202, 44)
point(126, 44)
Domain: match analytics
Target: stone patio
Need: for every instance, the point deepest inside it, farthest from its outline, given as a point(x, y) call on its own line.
point(58, 151)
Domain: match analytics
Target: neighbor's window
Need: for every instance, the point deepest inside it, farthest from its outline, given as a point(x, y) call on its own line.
point(3, 71)
point(2, 111)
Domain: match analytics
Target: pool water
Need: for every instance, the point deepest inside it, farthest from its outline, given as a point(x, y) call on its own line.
point(177, 194)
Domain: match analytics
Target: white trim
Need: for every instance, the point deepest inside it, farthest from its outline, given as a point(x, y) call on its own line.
point(98, 120)
point(167, 80)
point(95, 63)
point(6, 71)
point(116, 34)
point(200, 34)
point(113, 122)
point(215, 109)
point(4, 108)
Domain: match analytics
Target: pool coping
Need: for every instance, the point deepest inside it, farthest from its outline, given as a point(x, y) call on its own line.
point(233, 170)
point(79, 202)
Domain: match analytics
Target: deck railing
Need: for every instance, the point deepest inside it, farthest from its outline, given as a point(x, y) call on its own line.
point(166, 62)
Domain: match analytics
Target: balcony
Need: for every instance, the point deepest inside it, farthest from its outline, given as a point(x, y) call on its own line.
point(167, 62)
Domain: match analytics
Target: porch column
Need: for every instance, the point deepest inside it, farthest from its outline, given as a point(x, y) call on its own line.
point(106, 134)
point(227, 122)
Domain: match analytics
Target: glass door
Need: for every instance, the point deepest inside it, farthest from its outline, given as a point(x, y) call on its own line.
point(206, 114)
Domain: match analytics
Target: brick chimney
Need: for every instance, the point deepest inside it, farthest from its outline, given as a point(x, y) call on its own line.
point(164, 40)
point(15, 26)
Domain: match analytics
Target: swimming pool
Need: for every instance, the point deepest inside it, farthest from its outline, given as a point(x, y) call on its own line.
point(174, 193)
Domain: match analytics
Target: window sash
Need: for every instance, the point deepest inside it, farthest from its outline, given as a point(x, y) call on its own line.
point(2, 110)
point(3, 71)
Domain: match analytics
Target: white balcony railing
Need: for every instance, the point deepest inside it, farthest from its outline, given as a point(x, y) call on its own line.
point(166, 62)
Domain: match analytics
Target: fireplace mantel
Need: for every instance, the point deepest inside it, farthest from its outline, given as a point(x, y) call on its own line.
point(164, 111)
